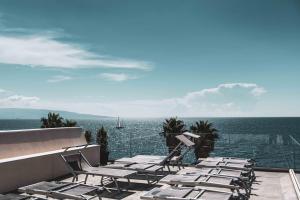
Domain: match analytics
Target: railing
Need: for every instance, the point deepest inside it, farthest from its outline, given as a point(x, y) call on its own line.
point(272, 153)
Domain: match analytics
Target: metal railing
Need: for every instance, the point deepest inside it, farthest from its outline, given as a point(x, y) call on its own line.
point(271, 154)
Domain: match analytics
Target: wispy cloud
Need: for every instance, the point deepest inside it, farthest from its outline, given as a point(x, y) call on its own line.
point(10, 99)
point(119, 77)
point(23, 99)
point(230, 99)
point(255, 89)
point(46, 51)
point(59, 78)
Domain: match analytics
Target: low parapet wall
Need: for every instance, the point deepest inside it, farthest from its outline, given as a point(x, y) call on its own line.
point(21, 171)
point(30, 141)
point(30, 156)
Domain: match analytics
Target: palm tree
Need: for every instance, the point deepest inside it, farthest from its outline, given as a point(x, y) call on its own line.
point(208, 134)
point(171, 128)
point(101, 139)
point(70, 123)
point(52, 121)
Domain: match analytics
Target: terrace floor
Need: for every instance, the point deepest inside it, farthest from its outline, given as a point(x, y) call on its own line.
point(268, 186)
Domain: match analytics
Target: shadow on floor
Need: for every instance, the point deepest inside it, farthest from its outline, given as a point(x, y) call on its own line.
point(133, 186)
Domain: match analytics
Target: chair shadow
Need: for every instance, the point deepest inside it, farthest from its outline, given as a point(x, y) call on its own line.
point(134, 186)
point(114, 194)
point(126, 189)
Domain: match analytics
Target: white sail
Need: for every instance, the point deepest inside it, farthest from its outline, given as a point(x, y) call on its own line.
point(119, 125)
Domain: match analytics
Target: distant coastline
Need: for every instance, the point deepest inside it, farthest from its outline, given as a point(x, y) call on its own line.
point(28, 113)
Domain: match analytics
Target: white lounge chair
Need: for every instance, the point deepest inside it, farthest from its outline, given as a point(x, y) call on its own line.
point(78, 164)
point(228, 165)
point(248, 162)
point(231, 173)
point(147, 169)
point(186, 193)
point(61, 190)
point(171, 160)
point(208, 181)
point(12, 196)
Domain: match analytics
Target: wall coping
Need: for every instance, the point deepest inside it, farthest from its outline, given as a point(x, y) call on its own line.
point(12, 159)
point(38, 129)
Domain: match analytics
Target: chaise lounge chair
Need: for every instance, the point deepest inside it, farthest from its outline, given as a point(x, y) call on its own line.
point(186, 193)
point(149, 170)
point(62, 190)
point(12, 196)
point(228, 165)
point(231, 173)
point(207, 181)
point(171, 160)
point(78, 164)
point(248, 162)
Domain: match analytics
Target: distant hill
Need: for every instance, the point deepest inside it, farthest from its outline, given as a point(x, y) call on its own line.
point(24, 113)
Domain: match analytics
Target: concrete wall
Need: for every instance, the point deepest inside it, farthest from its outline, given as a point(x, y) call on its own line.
point(20, 171)
point(31, 141)
point(24, 162)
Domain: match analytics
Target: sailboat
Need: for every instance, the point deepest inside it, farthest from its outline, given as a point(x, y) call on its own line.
point(119, 125)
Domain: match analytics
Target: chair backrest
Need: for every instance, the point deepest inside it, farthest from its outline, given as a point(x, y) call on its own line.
point(73, 161)
point(191, 135)
point(185, 140)
point(76, 161)
point(171, 155)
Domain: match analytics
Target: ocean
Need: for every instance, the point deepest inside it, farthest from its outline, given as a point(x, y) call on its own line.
point(272, 142)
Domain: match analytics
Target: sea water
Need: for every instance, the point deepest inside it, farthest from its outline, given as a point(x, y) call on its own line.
point(272, 142)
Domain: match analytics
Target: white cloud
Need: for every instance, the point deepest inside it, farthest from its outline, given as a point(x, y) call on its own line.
point(232, 99)
point(11, 99)
point(18, 98)
point(258, 91)
point(119, 77)
point(255, 89)
point(46, 51)
point(59, 78)
point(18, 101)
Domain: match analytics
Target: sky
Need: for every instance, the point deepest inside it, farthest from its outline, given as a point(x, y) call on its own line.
point(139, 58)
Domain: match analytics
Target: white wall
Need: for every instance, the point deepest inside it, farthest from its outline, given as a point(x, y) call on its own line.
point(30, 156)
point(22, 171)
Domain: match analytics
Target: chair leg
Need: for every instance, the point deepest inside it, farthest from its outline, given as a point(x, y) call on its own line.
point(147, 176)
point(75, 177)
point(101, 181)
point(168, 168)
point(85, 180)
point(117, 185)
point(128, 181)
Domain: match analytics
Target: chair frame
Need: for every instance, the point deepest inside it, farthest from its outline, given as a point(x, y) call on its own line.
point(87, 173)
point(58, 193)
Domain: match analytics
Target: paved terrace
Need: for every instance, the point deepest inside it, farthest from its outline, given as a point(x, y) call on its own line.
point(268, 186)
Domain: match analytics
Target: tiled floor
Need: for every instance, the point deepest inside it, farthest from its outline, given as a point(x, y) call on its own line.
point(268, 186)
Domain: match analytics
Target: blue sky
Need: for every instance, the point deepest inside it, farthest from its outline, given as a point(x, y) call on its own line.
point(152, 58)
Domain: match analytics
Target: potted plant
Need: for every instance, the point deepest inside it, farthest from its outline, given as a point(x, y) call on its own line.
point(88, 136)
point(102, 141)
